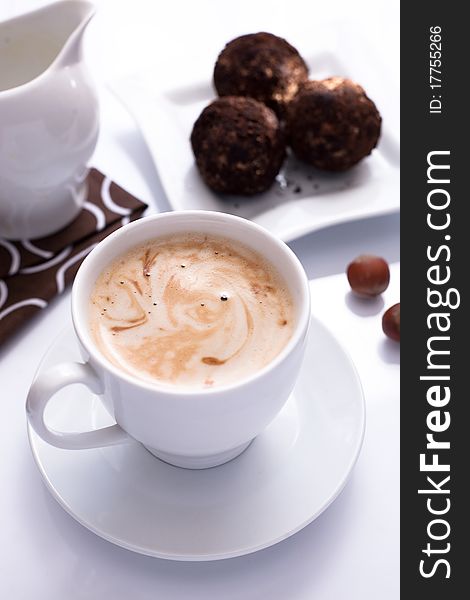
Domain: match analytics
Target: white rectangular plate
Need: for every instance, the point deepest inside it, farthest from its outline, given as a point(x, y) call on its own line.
point(301, 200)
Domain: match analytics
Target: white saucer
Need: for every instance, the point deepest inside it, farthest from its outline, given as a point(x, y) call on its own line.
point(282, 482)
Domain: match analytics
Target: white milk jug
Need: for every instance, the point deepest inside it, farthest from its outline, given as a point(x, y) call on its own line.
point(48, 119)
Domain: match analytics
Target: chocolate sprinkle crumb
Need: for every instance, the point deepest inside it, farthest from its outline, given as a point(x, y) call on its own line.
point(212, 360)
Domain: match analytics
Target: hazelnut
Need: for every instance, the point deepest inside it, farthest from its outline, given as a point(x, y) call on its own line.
point(368, 275)
point(391, 322)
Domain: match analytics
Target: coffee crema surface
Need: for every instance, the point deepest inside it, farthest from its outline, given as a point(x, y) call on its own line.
point(191, 310)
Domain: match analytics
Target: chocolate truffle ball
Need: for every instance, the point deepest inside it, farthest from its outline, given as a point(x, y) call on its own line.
point(238, 145)
point(332, 124)
point(261, 66)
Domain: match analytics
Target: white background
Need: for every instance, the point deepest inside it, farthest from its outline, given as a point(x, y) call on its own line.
point(351, 551)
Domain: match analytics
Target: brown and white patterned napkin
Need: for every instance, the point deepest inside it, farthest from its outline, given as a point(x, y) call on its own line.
point(32, 273)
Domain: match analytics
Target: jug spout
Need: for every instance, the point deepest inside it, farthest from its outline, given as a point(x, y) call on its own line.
point(42, 40)
point(73, 17)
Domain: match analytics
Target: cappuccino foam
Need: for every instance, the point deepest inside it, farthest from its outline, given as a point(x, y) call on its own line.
point(191, 310)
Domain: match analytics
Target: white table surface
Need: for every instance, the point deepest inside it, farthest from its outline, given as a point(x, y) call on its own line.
point(352, 550)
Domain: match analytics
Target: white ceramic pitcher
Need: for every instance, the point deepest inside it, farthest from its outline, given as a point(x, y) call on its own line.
point(48, 119)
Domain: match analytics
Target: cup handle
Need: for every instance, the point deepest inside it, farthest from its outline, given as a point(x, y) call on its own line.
point(50, 382)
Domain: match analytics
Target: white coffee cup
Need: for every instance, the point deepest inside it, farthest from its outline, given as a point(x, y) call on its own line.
point(192, 428)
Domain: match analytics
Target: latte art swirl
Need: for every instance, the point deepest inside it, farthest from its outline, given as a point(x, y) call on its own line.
point(191, 310)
